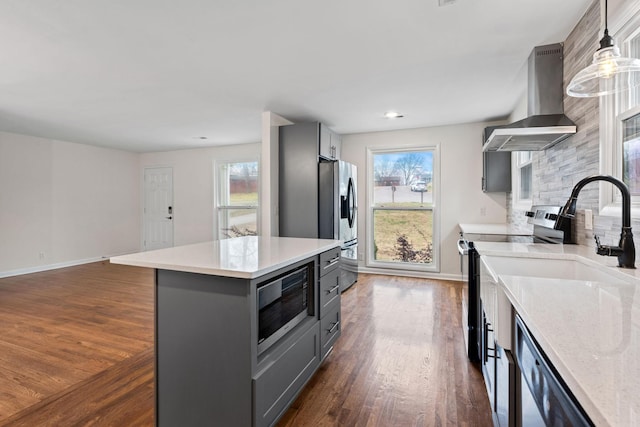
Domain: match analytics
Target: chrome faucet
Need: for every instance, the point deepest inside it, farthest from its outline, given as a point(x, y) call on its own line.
point(625, 251)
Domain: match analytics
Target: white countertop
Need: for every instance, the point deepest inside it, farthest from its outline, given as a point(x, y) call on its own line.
point(496, 229)
point(243, 257)
point(546, 250)
point(589, 330)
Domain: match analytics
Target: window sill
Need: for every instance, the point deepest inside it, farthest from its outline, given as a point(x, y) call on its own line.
point(615, 210)
point(392, 266)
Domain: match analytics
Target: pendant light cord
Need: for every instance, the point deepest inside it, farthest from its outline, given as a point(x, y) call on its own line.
point(607, 40)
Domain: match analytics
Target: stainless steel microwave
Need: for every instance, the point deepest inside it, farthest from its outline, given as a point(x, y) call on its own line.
point(283, 303)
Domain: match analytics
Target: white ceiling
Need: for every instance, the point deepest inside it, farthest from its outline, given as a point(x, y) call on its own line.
point(153, 75)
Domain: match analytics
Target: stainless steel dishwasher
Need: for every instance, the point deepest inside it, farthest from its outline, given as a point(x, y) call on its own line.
point(543, 397)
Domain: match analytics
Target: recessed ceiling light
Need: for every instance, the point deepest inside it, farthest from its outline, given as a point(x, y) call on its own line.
point(393, 115)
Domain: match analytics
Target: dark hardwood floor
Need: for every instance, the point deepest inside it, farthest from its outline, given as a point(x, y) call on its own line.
point(76, 349)
point(401, 361)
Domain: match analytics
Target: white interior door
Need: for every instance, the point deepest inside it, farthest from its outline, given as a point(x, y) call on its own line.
point(158, 208)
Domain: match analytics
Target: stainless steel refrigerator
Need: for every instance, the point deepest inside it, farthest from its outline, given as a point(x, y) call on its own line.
point(317, 199)
point(337, 213)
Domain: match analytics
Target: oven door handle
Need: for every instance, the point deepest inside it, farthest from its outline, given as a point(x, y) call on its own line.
point(463, 247)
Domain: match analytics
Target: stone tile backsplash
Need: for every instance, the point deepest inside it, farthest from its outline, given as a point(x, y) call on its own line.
point(557, 169)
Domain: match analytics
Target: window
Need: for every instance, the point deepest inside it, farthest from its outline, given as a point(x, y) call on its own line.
point(619, 121)
point(237, 199)
point(402, 194)
point(631, 153)
point(523, 176)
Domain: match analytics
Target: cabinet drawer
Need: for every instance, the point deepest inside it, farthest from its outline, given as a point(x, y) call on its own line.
point(330, 327)
point(329, 261)
point(276, 387)
point(329, 290)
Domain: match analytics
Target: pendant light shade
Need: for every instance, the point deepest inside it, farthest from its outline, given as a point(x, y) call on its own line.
point(609, 72)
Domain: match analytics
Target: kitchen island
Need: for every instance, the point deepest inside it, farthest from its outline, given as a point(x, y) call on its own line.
point(586, 319)
point(219, 358)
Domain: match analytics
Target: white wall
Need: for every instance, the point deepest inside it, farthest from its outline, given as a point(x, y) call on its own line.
point(461, 200)
point(193, 185)
point(63, 203)
point(73, 203)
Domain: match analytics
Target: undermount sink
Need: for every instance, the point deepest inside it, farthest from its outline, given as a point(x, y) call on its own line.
point(496, 303)
point(552, 268)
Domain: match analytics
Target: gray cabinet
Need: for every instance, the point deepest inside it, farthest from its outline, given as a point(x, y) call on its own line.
point(298, 180)
point(496, 168)
point(337, 144)
point(208, 367)
point(203, 350)
point(330, 143)
point(324, 144)
point(277, 385)
point(330, 328)
point(329, 301)
point(329, 261)
point(329, 289)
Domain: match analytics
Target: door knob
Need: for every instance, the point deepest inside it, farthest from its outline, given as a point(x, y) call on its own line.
point(169, 217)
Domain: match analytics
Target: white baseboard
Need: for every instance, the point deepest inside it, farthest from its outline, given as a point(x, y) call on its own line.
point(409, 273)
point(48, 267)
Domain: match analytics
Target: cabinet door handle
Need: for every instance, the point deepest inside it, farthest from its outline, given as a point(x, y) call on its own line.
point(487, 329)
point(333, 289)
point(334, 327)
point(332, 261)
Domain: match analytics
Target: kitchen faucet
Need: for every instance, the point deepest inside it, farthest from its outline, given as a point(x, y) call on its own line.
point(625, 251)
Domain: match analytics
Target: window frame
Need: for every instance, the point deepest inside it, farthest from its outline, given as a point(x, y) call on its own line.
point(218, 207)
point(518, 164)
point(391, 267)
point(614, 109)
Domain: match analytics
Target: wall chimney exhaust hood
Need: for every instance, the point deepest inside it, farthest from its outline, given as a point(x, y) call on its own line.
point(546, 124)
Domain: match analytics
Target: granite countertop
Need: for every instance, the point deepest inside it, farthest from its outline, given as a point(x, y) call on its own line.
point(495, 229)
point(589, 330)
point(243, 257)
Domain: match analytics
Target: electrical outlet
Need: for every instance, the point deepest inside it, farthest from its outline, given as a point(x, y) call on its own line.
point(483, 211)
point(41, 255)
point(588, 219)
point(361, 256)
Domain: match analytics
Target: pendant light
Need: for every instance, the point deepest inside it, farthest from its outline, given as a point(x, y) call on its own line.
point(609, 72)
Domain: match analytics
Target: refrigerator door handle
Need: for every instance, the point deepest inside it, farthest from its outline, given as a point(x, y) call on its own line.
point(351, 205)
point(344, 207)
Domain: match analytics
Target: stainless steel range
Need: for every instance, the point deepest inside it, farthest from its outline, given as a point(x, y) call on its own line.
point(543, 218)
